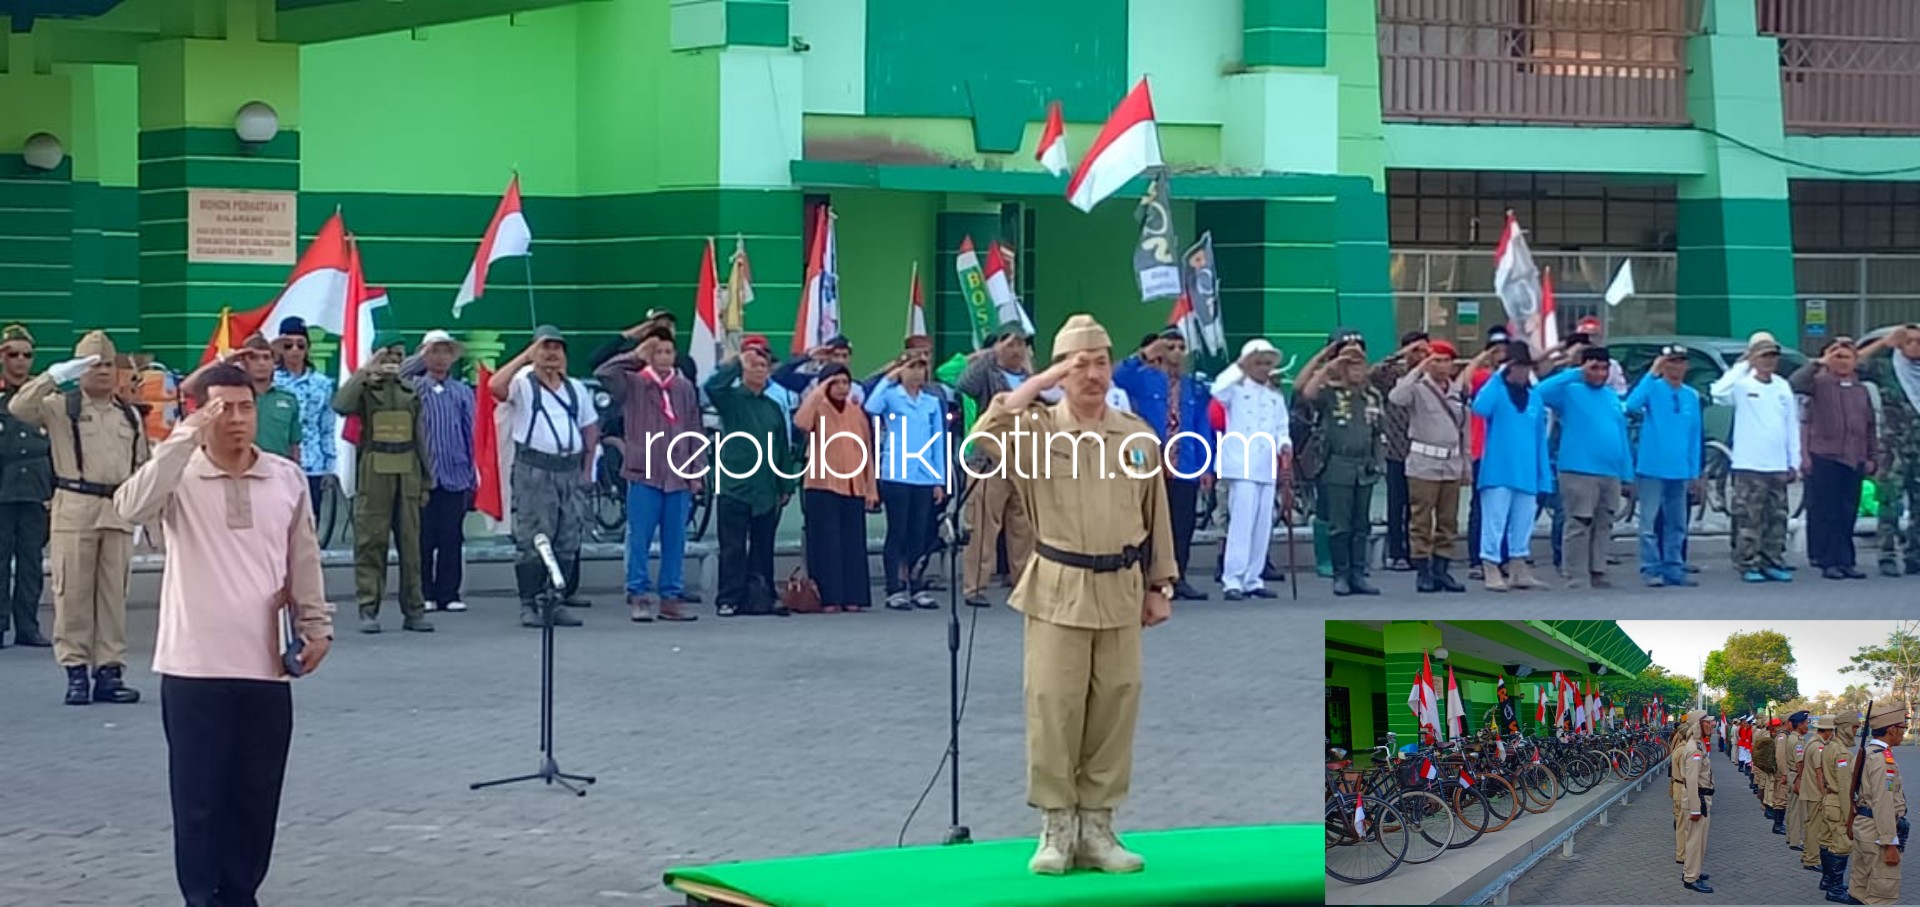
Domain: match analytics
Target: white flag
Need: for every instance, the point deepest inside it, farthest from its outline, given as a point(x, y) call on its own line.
point(1622, 286)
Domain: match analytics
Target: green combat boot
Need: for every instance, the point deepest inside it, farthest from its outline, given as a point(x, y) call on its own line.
point(1322, 556)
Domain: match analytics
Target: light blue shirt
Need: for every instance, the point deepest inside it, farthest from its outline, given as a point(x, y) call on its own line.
point(913, 447)
point(1516, 451)
point(1670, 432)
point(1593, 426)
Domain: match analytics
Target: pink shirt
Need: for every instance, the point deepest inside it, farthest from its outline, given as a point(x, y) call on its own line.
point(238, 549)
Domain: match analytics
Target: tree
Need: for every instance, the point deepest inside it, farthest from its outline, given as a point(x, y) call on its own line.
point(1753, 667)
point(1894, 665)
point(1633, 691)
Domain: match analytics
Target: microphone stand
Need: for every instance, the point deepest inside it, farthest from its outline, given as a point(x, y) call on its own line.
point(956, 537)
point(549, 771)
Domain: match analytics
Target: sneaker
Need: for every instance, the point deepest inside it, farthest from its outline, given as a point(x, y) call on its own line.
point(1755, 576)
point(1653, 582)
point(925, 601)
point(899, 601)
point(455, 606)
point(369, 624)
point(1779, 574)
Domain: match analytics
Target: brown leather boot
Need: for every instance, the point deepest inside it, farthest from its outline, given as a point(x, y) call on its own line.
point(672, 610)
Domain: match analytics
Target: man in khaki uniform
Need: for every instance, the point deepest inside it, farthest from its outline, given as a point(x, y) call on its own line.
point(1696, 807)
point(1677, 786)
point(391, 469)
point(1796, 755)
point(993, 507)
point(1836, 772)
point(97, 443)
point(1103, 568)
point(1880, 811)
point(1812, 788)
point(1763, 764)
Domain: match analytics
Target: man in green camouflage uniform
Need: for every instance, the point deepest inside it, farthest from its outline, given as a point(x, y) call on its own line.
point(390, 472)
point(1351, 442)
point(1899, 459)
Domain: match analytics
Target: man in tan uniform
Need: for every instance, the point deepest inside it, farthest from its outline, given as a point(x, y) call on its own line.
point(97, 443)
point(1880, 811)
point(1696, 808)
point(1763, 765)
point(1103, 568)
point(1796, 756)
point(1836, 772)
point(1677, 786)
point(1812, 788)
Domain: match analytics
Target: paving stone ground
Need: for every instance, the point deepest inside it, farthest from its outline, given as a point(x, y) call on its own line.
point(1631, 861)
point(722, 739)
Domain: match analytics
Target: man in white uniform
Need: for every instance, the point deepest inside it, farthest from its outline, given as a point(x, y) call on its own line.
point(1256, 453)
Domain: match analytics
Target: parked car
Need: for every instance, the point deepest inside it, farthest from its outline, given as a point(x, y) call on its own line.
point(1708, 358)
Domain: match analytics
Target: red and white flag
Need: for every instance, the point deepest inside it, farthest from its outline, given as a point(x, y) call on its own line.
point(1540, 705)
point(1006, 305)
point(819, 317)
point(1127, 146)
point(1052, 153)
point(1456, 712)
point(916, 307)
point(706, 316)
point(1517, 279)
point(356, 347)
point(1560, 714)
point(507, 236)
point(1420, 699)
point(317, 290)
point(1547, 333)
point(1185, 321)
point(488, 495)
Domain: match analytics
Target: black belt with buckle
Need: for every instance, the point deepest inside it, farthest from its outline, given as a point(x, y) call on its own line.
point(1129, 557)
point(95, 489)
point(390, 447)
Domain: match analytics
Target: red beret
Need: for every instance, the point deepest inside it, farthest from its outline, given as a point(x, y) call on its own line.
point(1442, 349)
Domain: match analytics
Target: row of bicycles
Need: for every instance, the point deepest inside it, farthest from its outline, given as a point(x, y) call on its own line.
point(1412, 807)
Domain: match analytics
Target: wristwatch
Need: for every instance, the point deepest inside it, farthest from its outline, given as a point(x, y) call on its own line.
point(1165, 590)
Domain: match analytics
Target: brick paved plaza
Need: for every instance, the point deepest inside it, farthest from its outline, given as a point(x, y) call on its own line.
point(743, 738)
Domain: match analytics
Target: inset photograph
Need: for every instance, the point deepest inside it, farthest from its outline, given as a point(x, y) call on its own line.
point(1568, 761)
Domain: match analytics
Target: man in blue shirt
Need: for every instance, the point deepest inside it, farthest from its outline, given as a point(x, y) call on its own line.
point(1595, 462)
point(911, 417)
point(1669, 463)
point(1160, 391)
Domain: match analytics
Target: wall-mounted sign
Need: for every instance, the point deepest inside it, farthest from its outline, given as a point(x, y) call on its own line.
point(226, 226)
point(1816, 318)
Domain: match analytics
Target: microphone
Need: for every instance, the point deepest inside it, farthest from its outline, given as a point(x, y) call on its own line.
point(544, 547)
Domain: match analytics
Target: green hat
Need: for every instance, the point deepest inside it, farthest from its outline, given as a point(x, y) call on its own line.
point(548, 332)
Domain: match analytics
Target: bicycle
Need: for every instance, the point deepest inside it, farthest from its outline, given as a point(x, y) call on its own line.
point(1366, 838)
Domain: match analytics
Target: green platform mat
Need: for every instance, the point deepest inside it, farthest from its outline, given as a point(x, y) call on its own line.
point(1270, 864)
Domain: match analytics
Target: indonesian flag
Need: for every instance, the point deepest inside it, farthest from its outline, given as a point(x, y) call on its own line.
point(1006, 305)
point(507, 236)
point(1184, 320)
point(1052, 153)
point(1560, 713)
point(1500, 747)
point(1549, 321)
point(1540, 705)
point(916, 307)
point(315, 292)
point(487, 497)
point(1427, 770)
point(819, 317)
point(1127, 145)
point(1466, 780)
point(356, 347)
point(1420, 699)
point(1456, 712)
point(1360, 818)
point(1517, 279)
point(706, 316)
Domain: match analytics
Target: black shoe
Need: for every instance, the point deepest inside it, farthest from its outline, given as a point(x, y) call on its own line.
point(1890, 569)
point(78, 692)
point(32, 641)
point(1833, 573)
point(1262, 592)
point(1700, 886)
point(1271, 574)
point(1342, 585)
point(1444, 578)
point(1234, 595)
point(1852, 572)
point(1357, 584)
point(1779, 825)
point(578, 601)
point(107, 687)
point(975, 601)
point(1797, 847)
point(1423, 579)
point(1182, 591)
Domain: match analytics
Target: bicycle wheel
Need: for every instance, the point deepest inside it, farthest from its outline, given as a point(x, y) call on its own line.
point(1540, 787)
point(1503, 802)
point(1362, 850)
point(1429, 822)
point(1579, 774)
point(700, 513)
point(1475, 814)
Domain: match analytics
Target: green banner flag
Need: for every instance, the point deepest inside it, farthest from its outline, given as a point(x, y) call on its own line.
point(973, 288)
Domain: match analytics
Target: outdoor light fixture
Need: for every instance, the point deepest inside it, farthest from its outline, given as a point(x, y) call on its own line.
point(1440, 653)
point(43, 151)
point(256, 123)
point(1596, 668)
point(1519, 670)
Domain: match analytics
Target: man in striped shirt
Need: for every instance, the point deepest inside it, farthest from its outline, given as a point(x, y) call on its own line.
point(446, 415)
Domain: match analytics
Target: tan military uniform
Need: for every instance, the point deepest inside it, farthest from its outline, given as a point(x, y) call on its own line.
point(91, 545)
point(1696, 774)
point(1882, 801)
point(1783, 744)
point(1083, 625)
point(1836, 772)
point(1796, 807)
point(1763, 742)
point(1812, 790)
point(1677, 787)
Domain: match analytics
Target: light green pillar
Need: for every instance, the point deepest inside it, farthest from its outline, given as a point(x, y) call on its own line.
point(190, 92)
point(36, 228)
point(1736, 271)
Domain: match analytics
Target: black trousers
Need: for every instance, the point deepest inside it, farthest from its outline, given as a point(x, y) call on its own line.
point(909, 522)
point(1397, 506)
point(836, 531)
point(746, 550)
point(441, 537)
point(1833, 503)
point(23, 542)
point(316, 485)
point(1183, 506)
point(226, 760)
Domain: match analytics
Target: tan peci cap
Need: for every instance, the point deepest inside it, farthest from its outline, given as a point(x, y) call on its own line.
point(1846, 719)
point(1079, 334)
point(1887, 714)
point(95, 343)
point(1823, 723)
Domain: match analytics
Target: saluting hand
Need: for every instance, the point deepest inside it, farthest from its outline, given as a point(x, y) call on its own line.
point(1058, 372)
point(201, 420)
point(1155, 609)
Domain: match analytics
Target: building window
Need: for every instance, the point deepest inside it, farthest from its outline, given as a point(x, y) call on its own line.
point(1340, 718)
point(1570, 212)
point(1635, 39)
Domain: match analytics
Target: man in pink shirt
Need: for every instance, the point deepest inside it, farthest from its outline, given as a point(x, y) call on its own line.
point(240, 552)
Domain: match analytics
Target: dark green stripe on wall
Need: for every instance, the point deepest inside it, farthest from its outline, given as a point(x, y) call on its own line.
point(1284, 32)
point(1735, 269)
point(36, 248)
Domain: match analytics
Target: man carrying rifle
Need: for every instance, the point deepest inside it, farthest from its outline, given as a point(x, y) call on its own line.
point(1837, 763)
point(1879, 810)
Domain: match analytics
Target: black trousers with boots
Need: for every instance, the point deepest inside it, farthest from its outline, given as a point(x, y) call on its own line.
point(226, 761)
point(23, 545)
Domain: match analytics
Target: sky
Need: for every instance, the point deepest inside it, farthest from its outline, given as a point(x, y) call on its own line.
point(1820, 647)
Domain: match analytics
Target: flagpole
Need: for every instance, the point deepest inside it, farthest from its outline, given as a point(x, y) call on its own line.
point(533, 319)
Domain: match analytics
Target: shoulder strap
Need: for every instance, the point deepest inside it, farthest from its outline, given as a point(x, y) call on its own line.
point(539, 406)
point(73, 424)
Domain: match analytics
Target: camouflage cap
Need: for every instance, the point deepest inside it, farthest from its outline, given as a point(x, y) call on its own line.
point(16, 333)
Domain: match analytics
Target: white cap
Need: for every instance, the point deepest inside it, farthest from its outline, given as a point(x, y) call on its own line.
point(1257, 345)
point(437, 336)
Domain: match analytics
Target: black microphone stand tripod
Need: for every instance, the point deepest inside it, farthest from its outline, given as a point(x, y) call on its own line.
point(549, 771)
point(955, 531)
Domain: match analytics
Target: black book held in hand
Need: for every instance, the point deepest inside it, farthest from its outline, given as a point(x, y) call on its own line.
point(291, 644)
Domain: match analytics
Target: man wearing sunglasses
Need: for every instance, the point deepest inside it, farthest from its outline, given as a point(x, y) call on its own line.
point(314, 390)
point(26, 483)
